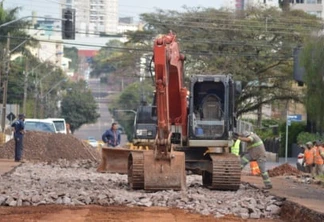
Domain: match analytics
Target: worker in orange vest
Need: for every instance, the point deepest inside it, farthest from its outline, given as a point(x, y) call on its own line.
point(309, 158)
point(319, 158)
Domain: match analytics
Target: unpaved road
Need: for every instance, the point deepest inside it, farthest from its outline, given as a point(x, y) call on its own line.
point(56, 213)
point(307, 195)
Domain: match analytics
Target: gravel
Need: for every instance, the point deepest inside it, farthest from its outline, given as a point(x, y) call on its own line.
point(78, 183)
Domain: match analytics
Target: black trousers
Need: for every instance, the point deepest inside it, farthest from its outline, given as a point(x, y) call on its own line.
point(18, 147)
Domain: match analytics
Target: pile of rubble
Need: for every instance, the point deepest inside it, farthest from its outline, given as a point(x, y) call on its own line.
point(284, 170)
point(78, 183)
point(41, 146)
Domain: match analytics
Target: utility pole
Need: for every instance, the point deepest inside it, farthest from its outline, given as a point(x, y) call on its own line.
point(5, 83)
point(25, 85)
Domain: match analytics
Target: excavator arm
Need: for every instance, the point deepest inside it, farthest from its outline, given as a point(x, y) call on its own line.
point(170, 94)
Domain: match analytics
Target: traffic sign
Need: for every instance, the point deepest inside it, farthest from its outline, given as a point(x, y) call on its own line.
point(11, 116)
point(296, 117)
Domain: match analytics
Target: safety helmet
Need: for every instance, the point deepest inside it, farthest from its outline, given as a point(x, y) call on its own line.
point(246, 133)
point(309, 144)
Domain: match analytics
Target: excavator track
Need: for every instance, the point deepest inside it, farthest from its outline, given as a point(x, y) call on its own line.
point(226, 172)
point(136, 170)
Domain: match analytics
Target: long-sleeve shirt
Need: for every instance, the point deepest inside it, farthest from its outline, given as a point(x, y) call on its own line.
point(111, 137)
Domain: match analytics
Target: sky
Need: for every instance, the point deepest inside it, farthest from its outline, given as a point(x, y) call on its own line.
point(126, 7)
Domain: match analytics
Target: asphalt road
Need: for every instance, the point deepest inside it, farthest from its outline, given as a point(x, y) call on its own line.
point(100, 92)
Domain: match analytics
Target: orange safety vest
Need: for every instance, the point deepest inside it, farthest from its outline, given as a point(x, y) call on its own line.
point(309, 156)
point(254, 168)
point(318, 158)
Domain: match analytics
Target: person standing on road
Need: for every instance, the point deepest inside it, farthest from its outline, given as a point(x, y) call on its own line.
point(112, 136)
point(19, 131)
point(255, 152)
point(319, 158)
point(309, 158)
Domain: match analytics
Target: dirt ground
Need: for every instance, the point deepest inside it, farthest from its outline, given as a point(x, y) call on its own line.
point(307, 195)
point(56, 213)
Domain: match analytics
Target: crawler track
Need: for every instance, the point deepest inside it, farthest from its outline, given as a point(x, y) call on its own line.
point(136, 170)
point(226, 172)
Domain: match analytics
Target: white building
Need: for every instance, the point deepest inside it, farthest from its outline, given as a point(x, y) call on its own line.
point(94, 16)
point(314, 7)
point(243, 4)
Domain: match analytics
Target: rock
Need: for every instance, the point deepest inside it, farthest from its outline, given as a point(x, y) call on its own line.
point(2, 200)
point(66, 200)
point(19, 202)
point(36, 199)
point(273, 209)
point(244, 216)
point(9, 200)
point(13, 203)
point(256, 214)
point(26, 203)
point(59, 200)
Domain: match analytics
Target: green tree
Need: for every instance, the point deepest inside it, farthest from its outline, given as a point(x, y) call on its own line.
point(130, 99)
point(79, 106)
point(255, 46)
point(72, 53)
point(312, 61)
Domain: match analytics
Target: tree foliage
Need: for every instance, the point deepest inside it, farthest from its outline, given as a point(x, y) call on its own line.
point(72, 53)
point(129, 100)
point(79, 106)
point(312, 61)
point(255, 46)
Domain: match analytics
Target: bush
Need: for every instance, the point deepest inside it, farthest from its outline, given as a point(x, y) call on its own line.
point(304, 137)
point(293, 131)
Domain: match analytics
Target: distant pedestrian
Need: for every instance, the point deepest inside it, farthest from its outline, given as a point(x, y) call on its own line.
point(112, 136)
point(255, 152)
point(19, 131)
point(309, 158)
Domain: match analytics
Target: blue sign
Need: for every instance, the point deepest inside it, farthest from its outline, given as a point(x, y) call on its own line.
point(296, 117)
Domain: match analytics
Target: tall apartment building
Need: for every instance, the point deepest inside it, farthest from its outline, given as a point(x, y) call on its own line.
point(94, 16)
point(314, 7)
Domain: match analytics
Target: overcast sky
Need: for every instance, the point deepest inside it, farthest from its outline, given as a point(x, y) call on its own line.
point(126, 7)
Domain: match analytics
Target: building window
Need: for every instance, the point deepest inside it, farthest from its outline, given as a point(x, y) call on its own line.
point(68, 1)
point(311, 1)
point(299, 1)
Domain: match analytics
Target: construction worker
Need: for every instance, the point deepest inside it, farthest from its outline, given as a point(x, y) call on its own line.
point(319, 158)
point(112, 136)
point(309, 158)
point(19, 132)
point(235, 149)
point(255, 152)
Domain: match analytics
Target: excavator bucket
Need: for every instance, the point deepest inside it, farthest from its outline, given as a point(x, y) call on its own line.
point(148, 173)
point(114, 160)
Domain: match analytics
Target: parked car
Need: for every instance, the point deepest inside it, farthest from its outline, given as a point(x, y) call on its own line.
point(60, 125)
point(42, 125)
point(93, 142)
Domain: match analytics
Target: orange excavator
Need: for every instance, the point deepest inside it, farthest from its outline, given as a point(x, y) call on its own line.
point(193, 128)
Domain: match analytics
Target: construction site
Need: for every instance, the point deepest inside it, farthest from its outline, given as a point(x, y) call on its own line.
point(58, 181)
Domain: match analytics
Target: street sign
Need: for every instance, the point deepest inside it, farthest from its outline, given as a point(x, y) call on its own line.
point(11, 116)
point(296, 117)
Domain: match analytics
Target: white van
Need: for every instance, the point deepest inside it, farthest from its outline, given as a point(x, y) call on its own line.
point(60, 124)
point(42, 125)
